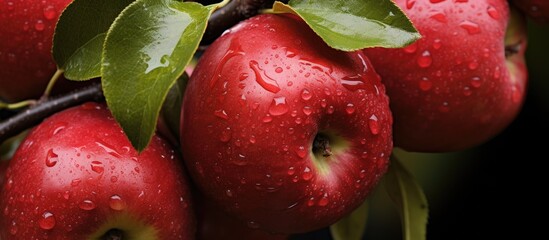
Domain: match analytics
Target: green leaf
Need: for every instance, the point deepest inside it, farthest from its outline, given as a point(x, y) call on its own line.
point(79, 36)
point(351, 25)
point(352, 226)
point(407, 194)
point(146, 50)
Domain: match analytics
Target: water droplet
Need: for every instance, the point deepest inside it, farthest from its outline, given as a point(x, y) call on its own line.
point(117, 203)
point(86, 205)
point(279, 70)
point(66, 195)
point(229, 193)
point(497, 73)
point(97, 167)
point(425, 59)
point(47, 221)
point(444, 108)
point(373, 124)
point(298, 120)
point(425, 84)
point(436, 1)
point(311, 202)
point(437, 44)
point(476, 82)
point(307, 110)
point(51, 158)
point(516, 96)
point(307, 174)
point(262, 79)
point(221, 114)
point(301, 152)
point(410, 3)
point(323, 103)
point(473, 65)
point(350, 109)
point(109, 149)
point(291, 171)
point(440, 17)
point(278, 106)
point(49, 12)
point(412, 48)
point(353, 83)
point(225, 135)
point(493, 12)
point(234, 50)
point(471, 27)
point(39, 25)
point(252, 139)
point(467, 91)
point(267, 119)
point(324, 200)
point(243, 76)
point(75, 182)
point(330, 110)
point(253, 225)
point(306, 95)
point(13, 228)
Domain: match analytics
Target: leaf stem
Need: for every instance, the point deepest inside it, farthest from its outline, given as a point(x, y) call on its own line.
point(51, 83)
point(22, 104)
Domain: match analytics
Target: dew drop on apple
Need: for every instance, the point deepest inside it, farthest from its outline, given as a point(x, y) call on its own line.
point(306, 95)
point(473, 65)
point(39, 25)
point(13, 228)
point(229, 193)
point(97, 167)
point(307, 110)
point(221, 114)
point(75, 182)
point(307, 174)
point(493, 12)
point(330, 110)
point(311, 202)
point(262, 79)
point(437, 44)
point(467, 91)
point(267, 119)
point(425, 60)
point(440, 17)
point(410, 3)
point(301, 151)
point(291, 171)
point(47, 221)
point(497, 73)
point(324, 200)
point(114, 179)
point(373, 124)
point(350, 109)
point(253, 224)
point(516, 96)
point(117, 203)
point(279, 70)
point(252, 139)
point(476, 82)
point(225, 135)
point(49, 12)
point(444, 108)
point(87, 205)
point(279, 106)
point(412, 48)
point(470, 27)
point(425, 84)
point(323, 103)
point(66, 195)
point(51, 158)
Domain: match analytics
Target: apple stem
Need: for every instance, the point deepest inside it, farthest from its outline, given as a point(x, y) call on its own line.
point(231, 14)
point(113, 234)
point(321, 145)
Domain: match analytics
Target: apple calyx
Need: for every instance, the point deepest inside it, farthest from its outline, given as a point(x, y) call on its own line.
point(321, 145)
point(113, 234)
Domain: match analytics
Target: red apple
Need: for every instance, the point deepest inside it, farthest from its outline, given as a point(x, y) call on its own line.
point(26, 62)
point(282, 131)
point(76, 176)
point(461, 83)
point(214, 224)
point(536, 9)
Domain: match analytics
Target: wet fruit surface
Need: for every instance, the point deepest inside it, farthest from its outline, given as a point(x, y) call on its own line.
point(459, 85)
point(76, 174)
point(258, 100)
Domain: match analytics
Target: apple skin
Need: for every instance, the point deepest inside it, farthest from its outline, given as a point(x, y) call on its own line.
point(536, 9)
point(79, 167)
point(254, 104)
point(454, 88)
point(214, 224)
point(26, 62)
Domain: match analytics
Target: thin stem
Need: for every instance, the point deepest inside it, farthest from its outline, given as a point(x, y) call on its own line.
point(51, 83)
point(223, 3)
point(13, 106)
point(35, 114)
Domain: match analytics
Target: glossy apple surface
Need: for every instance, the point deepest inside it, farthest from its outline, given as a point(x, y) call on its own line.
point(26, 62)
point(76, 176)
point(282, 131)
point(462, 82)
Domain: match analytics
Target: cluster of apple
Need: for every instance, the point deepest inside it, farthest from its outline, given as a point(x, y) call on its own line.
point(279, 132)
